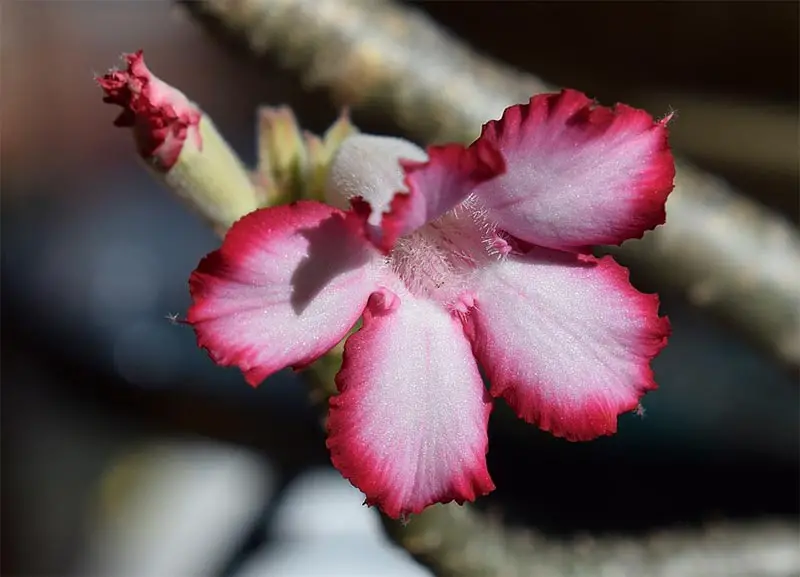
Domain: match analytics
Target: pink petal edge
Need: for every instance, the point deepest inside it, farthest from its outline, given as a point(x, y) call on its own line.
point(578, 174)
point(161, 116)
point(436, 186)
point(566, 340)
point(286, 286)
point(408, 427)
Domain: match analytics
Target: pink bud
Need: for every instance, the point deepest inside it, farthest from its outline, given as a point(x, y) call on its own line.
point(161, 116)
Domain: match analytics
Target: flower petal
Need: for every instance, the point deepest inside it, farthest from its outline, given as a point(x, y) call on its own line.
point(566, 340)
point(404, 187)
point(161, 116)
point(408, 427)
point(368, 167)
point(434, 187)
point(578, 174)
point(285, 287)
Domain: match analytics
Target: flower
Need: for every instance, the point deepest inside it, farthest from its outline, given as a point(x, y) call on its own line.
point(179, 143)
point(455, 258)
point(161, 116)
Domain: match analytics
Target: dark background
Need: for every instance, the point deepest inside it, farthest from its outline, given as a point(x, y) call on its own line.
point(95, 254)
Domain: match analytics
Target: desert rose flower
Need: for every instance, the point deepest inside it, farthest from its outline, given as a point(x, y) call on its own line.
point(179, 143)
point(455, 258)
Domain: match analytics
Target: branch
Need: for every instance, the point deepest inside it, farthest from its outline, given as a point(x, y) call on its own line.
point(455, 541)
point(722, 251)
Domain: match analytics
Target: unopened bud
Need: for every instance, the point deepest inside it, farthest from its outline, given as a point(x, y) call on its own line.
point(180, 143)
point(293, 164)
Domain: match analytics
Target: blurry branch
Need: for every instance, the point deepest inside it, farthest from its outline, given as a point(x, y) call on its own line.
point(455, 541)
point(753, 136)
point(729, 255)
point(719, 249)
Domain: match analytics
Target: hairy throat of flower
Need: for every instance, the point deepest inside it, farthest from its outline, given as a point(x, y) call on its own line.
point(438, 260)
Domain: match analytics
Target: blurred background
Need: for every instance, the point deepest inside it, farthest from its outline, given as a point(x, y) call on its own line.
point(125, 452)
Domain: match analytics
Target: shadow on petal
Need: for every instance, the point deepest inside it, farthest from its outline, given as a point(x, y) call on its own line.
point(333, 249)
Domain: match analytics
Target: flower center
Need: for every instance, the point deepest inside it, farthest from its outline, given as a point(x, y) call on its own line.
point(437, 260)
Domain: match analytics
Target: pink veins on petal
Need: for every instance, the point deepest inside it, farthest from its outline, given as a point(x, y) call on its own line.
point(455, 258)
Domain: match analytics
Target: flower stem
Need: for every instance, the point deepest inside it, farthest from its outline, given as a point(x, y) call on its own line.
point(211, 180)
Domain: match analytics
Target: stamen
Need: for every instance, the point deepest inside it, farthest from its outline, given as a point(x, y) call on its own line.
point(437, 260)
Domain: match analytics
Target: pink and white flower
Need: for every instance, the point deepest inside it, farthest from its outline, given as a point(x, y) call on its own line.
point(161, 116)
point(455, 258)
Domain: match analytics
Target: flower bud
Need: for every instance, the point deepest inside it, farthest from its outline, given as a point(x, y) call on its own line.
point(180, 143)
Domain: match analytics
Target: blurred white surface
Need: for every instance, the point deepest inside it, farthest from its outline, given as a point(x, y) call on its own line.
point(192, 506)
point(322, 529)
